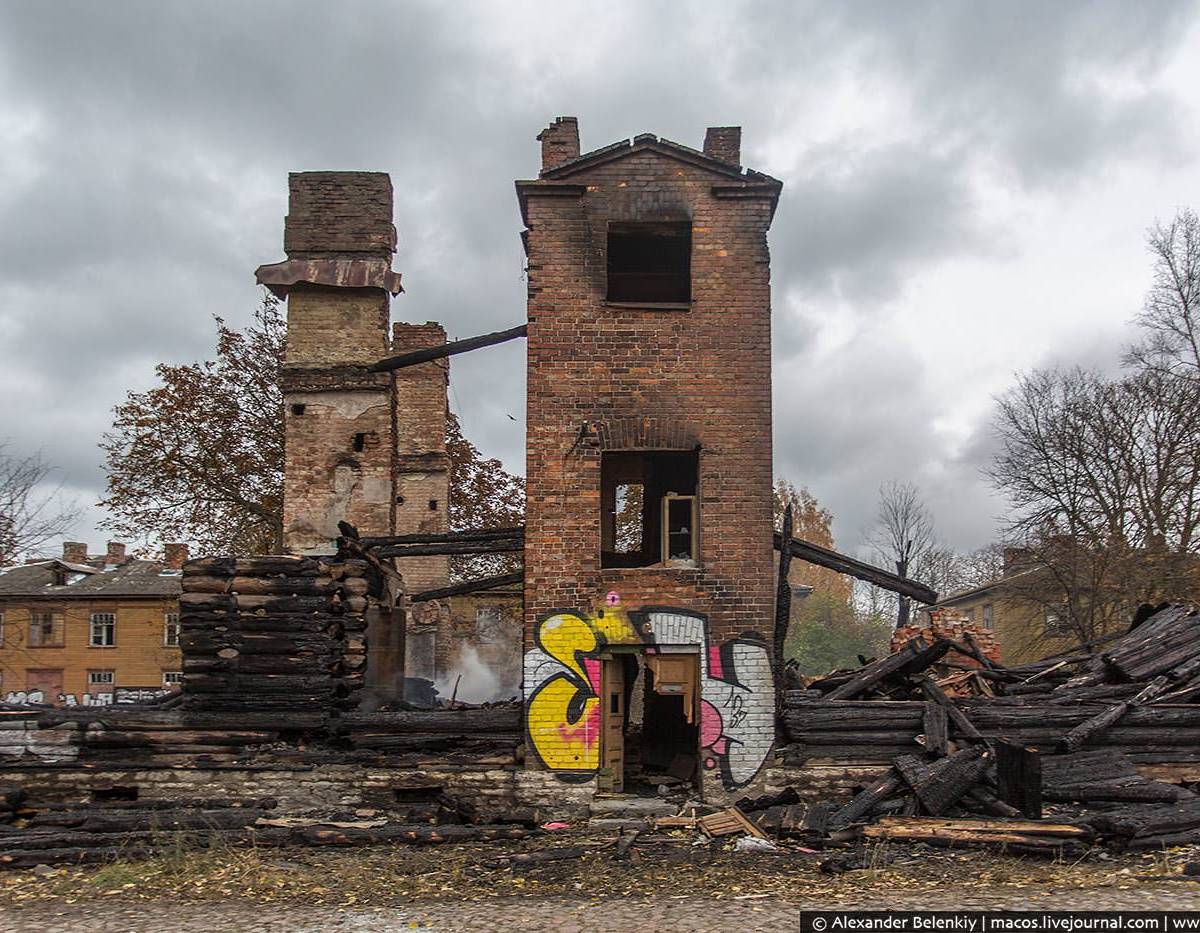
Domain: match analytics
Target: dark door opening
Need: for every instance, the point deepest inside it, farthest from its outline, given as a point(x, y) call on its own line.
point(651, 715)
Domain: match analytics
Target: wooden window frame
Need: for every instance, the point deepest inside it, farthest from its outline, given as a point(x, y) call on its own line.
point(666, 528)
point(92, 623)
point(170, 623)
point(58, 629)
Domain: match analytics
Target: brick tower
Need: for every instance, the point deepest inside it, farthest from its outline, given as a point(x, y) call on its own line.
point(649, 502)
point(367, 448)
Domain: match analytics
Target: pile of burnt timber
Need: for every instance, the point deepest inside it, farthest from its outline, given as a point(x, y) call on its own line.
point(273, 634)
point(54, 833)
point(1092, 730)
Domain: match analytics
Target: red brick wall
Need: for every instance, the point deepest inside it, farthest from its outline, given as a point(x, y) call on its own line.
point(705, 371)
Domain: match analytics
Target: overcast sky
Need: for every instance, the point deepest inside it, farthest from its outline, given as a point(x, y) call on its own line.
point(967, 189)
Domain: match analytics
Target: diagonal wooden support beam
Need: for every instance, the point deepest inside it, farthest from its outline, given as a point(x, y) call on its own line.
point(415, 357)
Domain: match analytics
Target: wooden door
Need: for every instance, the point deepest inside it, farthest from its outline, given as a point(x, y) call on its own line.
point(612, 715)
point(47, 680)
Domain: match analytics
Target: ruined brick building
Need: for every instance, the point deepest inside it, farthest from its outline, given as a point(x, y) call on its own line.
point(649, 396)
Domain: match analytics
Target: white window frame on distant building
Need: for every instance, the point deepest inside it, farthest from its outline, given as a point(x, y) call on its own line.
point(102, 630)
point(172, 678)
point(105, 677)
point(171, 629)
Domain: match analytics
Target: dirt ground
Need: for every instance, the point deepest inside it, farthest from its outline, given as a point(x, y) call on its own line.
point(669, 881)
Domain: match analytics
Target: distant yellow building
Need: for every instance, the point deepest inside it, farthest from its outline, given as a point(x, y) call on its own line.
point(87, 631)
point(1025, 628)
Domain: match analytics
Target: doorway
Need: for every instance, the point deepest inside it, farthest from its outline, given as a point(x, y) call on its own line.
point(650, 721)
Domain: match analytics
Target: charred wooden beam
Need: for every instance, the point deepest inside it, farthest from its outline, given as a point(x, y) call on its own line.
point(495, 546)
point(415, 357)
point(446, 537)
point(842, 563)
point(1019, 777)
point(469, 586)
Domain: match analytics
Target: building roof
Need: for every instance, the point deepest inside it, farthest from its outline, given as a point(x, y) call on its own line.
point(975, 592)
point(140, 579)
point(737, 181)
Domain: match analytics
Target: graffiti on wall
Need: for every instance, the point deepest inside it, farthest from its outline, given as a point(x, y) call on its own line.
point(121, 695)
point(562, 680)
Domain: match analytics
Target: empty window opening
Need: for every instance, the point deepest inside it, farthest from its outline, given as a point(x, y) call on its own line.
point(360, 441)
point(101, 794)
point(433, 505)
point(650, 262)
point(298, 409)
point(648, 508)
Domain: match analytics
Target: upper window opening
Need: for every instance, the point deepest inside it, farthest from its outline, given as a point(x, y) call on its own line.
point(650, 262)
point(649, 512)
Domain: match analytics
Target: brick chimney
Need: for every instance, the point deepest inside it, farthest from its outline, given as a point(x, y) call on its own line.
point(75, 552)
point(560, 142)
point(176, 556)
point(115, 554)
point(724, 143)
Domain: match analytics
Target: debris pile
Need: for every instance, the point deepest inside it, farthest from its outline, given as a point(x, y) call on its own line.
point(1083, 732)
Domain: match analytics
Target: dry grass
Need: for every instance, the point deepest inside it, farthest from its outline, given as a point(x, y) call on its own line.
point(189, 869)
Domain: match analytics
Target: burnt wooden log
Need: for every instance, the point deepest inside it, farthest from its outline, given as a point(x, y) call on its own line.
point(28, 858)
point(1146, 820)
point(461, 721)
point(937, 729)
point(1145, 792)
point(323, 835)
point(123, 821)
point(981, 800)
point(866, 800)
point(935, 694)
point(783, 608)
point(469, 586)
point(1019, 778)
point(915, 656)
point(855, 739)
point(842, 563)
point(490, 546)
point(766, 801)
point(939, 786)
point(416, 357)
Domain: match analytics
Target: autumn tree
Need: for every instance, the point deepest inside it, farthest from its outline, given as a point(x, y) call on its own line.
point(32, 509)
point(813, 523)
point(199, 457)
point(482, 495)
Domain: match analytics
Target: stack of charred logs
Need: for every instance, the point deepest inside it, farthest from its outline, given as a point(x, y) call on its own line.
point(1088, 730)
point(101, 830)
point(273, 634)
